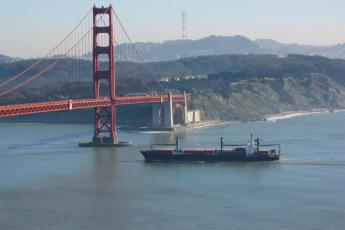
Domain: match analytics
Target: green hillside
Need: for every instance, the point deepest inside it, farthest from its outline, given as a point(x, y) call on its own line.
point(238, 87)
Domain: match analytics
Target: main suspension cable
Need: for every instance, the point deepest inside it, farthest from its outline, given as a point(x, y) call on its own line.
point(136, 51)
point(45, 56)
point(50, 66)
point(128, 61)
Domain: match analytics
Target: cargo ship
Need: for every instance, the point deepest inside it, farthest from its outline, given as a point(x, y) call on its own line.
point(252, 151)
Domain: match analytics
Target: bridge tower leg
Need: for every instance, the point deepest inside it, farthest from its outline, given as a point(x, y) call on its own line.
point(185, 109)
point(162, 115)
point(105, 117)
point(157, 116)
point(168, 114)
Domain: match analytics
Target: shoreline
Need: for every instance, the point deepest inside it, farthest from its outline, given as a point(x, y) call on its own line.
point(294, 114)
point(204, 124)
point(267, 118)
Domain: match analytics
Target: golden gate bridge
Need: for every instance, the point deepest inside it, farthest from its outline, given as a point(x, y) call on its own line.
point(105, 41)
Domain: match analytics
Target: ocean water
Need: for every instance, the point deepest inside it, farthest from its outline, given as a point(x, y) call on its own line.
point(47, 182)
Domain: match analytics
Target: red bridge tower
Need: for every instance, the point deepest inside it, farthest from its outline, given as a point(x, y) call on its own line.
point(105, 99)
point(105, 117)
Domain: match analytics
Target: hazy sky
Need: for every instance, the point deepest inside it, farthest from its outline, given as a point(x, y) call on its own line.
point(30, 27)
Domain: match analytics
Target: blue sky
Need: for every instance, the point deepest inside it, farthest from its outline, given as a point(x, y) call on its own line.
point(30, 27)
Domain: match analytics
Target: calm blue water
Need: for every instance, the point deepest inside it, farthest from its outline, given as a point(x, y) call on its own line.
point(47, 182)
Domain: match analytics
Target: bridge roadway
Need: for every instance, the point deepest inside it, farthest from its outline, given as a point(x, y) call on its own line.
point(53, 106)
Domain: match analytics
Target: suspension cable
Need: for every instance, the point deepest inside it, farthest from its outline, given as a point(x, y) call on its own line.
point(136, 51)
point(131, 64)
point(133, 68)
point(44, 69)
point(45, 56)
point(50, 66)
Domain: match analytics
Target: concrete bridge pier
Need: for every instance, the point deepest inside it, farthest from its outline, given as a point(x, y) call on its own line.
point(162, 115)
point(157, 116)
point(185, 110)
point(168, 113)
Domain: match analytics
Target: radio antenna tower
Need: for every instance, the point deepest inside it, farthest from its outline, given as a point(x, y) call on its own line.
point(184, 25)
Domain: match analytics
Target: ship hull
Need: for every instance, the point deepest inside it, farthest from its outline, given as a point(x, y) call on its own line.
point(204, 156)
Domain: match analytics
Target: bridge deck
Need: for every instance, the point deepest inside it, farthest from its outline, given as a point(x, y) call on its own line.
point(53, 106)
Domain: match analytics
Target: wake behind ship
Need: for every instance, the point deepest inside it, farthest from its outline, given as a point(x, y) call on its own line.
point(252, 151)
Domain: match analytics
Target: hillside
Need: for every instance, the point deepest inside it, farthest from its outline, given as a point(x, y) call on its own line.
point(252, 99)
point(4, 58)
point(281, 49)
point(238, 87)
point(272, 65)
point(212, 45)
point(218, 45)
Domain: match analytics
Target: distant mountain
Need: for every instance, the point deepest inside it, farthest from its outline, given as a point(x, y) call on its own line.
point(213, 45)
point(272, 47)
point(219, 45)
point(4, 58)
point(7, 59)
